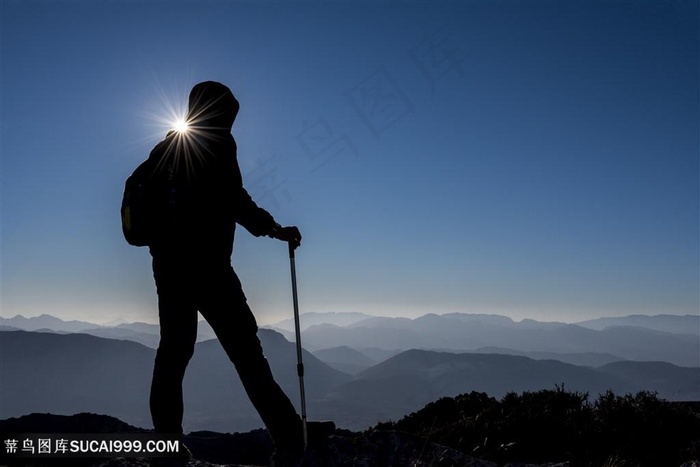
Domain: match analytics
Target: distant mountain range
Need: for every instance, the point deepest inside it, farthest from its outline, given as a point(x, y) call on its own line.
point(45, 322)
point(468, 333)
point(72, 373)
point(366, 340)
point(345, 359)
point(311, 319)
point(143, 333)
point(77, 372)
point(686, 324)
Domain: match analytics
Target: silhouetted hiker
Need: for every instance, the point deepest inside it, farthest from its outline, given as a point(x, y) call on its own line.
point(191, 249)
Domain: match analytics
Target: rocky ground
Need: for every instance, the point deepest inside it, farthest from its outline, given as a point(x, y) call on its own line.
point(341, 448)
point(407, 443)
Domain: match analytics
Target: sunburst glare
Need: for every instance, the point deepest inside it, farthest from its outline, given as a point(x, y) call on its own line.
point(168, 118)
point(165, 110)
point(181, 125)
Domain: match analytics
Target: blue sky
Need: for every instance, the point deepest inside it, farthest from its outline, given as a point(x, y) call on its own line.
point(535, 159)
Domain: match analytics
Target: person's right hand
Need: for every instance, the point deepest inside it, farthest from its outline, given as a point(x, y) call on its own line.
point(289, 234)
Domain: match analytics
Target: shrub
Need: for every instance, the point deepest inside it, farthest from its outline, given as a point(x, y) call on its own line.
point(558, 426)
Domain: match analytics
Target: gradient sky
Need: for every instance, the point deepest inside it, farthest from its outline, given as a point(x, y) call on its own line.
point(531, 158)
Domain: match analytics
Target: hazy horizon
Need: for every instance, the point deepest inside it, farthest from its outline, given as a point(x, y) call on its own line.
point(530, 159)
point(273, 321)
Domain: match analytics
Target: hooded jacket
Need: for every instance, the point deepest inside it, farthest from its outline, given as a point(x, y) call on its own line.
point(203, 194)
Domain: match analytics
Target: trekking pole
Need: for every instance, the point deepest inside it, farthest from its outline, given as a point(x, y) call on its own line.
point(300, 364)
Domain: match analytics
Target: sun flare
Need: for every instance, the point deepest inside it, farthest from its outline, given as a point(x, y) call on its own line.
point(181, 125)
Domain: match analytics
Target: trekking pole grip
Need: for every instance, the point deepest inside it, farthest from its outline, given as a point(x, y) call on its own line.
point(291, 250)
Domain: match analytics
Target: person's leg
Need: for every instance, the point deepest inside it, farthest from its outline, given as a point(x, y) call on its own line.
point(225, 307)
point(178, 332)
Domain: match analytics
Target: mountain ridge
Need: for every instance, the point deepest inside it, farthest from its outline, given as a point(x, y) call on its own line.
point(436, 331)
point(59, 372)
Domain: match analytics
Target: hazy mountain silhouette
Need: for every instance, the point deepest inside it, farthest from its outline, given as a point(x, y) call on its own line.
point(310, 319)
point(47, 322)
point(459, 332)
point(77, 423)
point(670, 381)
point(379, 355)
point(215, 398)
point(592, 359)
point(145, 328)
point(143, 333)
point(69, 373)
point(345, 359)
point(676, 324)
point(148, 339)
point(413, 378)
point(483, 318)
point(686, 324)
point(73, 373)
point(635, 337)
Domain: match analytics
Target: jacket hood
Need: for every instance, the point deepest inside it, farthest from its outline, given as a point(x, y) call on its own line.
point(212, 106)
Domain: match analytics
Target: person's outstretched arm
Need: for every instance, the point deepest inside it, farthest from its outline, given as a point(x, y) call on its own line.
point(257, 220)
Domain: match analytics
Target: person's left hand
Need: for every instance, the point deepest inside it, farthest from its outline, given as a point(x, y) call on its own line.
point(289, 234)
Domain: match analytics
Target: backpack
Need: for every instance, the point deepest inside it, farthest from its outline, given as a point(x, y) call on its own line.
point(151, 197)
point(138, 210)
